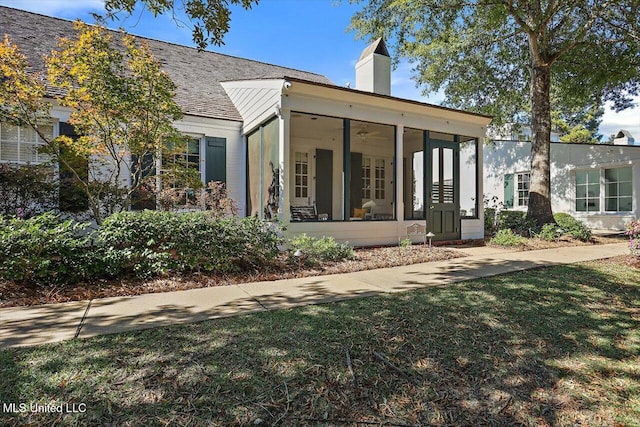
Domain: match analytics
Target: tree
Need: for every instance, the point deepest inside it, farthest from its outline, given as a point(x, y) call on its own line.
point(210, 17)
point(579, 127)
point(492, 56)
point(122, 109)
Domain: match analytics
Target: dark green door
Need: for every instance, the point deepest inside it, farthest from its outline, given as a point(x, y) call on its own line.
point(443, 216)
point(216, 158)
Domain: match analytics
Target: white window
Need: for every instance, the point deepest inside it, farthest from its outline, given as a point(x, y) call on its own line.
point(22, 144)
point(522, 191)
point(373, 178)
point(616, 196)
point(588, 191)
point(618, 190)
point(302, 174)
point(181, 163)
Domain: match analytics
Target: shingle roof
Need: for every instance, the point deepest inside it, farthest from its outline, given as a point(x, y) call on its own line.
point(197, 74)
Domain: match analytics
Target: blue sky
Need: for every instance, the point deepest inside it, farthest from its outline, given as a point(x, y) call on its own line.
point(310, 35)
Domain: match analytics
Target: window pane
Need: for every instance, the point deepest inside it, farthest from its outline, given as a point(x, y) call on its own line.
point(624, 174)
point(625, 189)
point(611, 190)
point(593, 177)
point(581, 205)
point(9, 133)
point(594, 190)
point(435, 173)
point(581, 177)
point(193, 146)
point(581, 191)
point(9, 151)
point(46, 131)
point(625, 204)
point(611, 204)
point(27, 153)
point(611, 175)
point(27, 134)
point(593, 205)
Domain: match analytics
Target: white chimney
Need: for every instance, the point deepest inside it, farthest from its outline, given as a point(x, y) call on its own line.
point(373, 70)
point(623, 138)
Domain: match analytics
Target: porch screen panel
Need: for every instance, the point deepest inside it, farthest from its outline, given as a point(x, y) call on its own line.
point(413, 159)
point(270, 171)
point(316, 160)
point(254, 184)
point(372, 171)
point(469, 178)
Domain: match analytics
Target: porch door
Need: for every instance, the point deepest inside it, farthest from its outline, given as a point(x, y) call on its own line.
point(443, 216)
point(301, 191)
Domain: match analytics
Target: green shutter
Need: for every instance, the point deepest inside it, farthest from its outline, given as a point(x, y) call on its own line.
point(508, 190)
point(216, 159)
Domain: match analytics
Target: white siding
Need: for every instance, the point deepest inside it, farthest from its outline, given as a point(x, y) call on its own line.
point(507, 157)
point(255, 100)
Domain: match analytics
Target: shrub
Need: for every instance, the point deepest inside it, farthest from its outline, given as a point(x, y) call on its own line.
point(549, 232)
point(406, 243)
point(45, 250)
point(489, 219)
point(575, 228)
point(516, 221)
point(315, 251)
point(507, 238)
point(633, 231)
point(26, 191)
point(153, 242)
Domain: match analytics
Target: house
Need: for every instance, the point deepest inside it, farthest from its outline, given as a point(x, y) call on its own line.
point(595, 183)
point(357, 164)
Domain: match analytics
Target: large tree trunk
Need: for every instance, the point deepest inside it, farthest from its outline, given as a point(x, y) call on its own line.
point(540, 184)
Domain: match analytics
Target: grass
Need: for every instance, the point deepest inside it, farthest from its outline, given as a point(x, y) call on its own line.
point(553, 346)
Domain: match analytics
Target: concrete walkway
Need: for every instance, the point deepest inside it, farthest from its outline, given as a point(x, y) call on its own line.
point(23, 326)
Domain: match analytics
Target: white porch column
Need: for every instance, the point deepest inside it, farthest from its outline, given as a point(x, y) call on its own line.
point(283, 155)
point(399, 178)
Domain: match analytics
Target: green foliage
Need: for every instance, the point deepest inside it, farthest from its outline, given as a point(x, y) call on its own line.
point(575, 228)
point(580, 125)
point(316, 250)
point(210, 18)
point(514, 60)
point(549, 233)
point(633, 231)
point(489, 219)
point(507, 238)
point(405, 243)
point(482, 53)
point(44, 250)
point(119, 98)
point(516, 221)
point(122, 109)
point(26, 190)
point(153, 242)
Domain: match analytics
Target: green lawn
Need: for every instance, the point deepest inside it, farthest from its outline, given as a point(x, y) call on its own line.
point(555, 346)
